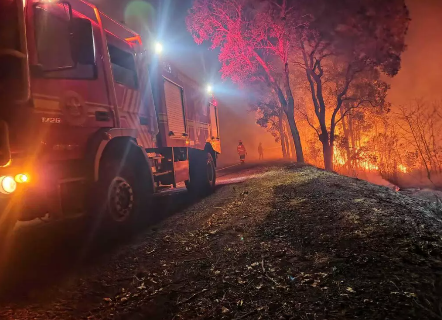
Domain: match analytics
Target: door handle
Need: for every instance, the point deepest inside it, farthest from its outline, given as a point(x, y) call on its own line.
point(102, 116)
point(143, 121)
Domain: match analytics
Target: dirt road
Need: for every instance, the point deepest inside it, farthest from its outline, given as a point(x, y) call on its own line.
point(273, 242)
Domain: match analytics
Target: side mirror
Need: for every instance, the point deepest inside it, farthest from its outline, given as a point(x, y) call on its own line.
point(82, 41)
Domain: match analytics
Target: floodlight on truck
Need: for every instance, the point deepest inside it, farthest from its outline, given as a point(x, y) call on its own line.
point(158, 47)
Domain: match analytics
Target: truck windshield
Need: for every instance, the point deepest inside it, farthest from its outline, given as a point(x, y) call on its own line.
point(10, 66)
point(9, 29)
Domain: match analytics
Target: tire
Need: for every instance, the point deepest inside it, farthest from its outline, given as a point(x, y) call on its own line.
point(202, 174)
point(122, 196)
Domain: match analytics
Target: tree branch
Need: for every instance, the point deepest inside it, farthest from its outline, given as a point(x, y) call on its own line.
point(309, 123)
point(351, 108)
point(309, 78)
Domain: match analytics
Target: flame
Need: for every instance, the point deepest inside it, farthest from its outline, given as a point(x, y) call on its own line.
point(402, 168)
point(369, 166)
point(340, 160)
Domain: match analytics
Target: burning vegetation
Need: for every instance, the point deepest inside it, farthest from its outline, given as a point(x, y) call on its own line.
point(316, 73)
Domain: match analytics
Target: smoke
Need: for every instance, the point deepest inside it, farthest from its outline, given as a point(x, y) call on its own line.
point(419, 76)
point(239, 124)
point(202, 64)
point(421, 69)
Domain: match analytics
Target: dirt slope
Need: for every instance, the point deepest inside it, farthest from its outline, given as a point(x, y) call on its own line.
point(288, 243)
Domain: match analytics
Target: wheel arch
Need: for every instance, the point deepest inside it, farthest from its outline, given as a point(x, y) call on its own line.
point(114, 143)
point(127, 150)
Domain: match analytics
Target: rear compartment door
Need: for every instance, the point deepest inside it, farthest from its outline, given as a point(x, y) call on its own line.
point(174, 108)
point(214, 134)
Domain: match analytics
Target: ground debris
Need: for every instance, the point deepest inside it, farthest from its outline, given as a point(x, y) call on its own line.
point(293, 242)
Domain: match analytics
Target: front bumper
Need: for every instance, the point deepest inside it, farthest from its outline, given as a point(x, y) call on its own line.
point(29, 200)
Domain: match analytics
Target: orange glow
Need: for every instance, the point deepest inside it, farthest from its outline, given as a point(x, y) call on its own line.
point(368, 166)
point(402, 168)
point(337, 157)
point(8, 164)
point(135, 39)
point(340, 160)
point(22, 178)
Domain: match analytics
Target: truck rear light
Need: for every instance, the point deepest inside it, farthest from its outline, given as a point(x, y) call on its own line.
point(7, 185)
point(21, 178)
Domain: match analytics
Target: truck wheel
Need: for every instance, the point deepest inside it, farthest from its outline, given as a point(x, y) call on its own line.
point(202, 175)
point(121, 195)
point(210, 174)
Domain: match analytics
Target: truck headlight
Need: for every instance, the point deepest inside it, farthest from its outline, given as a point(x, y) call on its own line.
point(7, 185)
point(22, 178)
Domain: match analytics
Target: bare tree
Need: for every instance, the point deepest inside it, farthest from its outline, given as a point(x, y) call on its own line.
point(344, 47)
point(423, 129)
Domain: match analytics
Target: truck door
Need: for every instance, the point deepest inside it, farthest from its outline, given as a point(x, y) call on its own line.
point(132, 90)
point(13, 53)
point(175, 109)
point(73, 96)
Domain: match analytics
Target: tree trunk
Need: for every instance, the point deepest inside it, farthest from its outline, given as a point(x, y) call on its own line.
point(347, 138)
point(351, 132)
point(282, 134)
point(291, 153)
point(286, 138)
point(290, 113)
point(296, 137)
point(287, 146)
point(328, 156)
point(327, 147)
point(292, 148)
point(283, 145)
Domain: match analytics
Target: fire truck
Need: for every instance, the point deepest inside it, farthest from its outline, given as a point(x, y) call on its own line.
point(92, 123)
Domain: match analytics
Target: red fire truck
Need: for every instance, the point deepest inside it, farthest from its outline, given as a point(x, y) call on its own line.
point(91, 122)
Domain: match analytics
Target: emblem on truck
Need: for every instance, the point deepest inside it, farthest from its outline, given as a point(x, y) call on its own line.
point(74, 109)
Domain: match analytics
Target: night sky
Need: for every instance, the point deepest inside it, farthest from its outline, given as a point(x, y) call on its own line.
point(420, 76)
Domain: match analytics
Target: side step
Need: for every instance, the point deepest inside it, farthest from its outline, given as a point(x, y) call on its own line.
point(158, 175)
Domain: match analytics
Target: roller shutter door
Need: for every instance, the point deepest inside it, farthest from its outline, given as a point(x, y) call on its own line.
point(174, 107)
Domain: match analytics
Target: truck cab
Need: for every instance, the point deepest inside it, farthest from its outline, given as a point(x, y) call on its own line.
point(91, 123)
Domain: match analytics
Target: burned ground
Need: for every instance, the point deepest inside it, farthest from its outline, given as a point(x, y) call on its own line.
point(290, 242)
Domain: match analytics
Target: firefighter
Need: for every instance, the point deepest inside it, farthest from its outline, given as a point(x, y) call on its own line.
point(260, 152)
point(241, 151)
